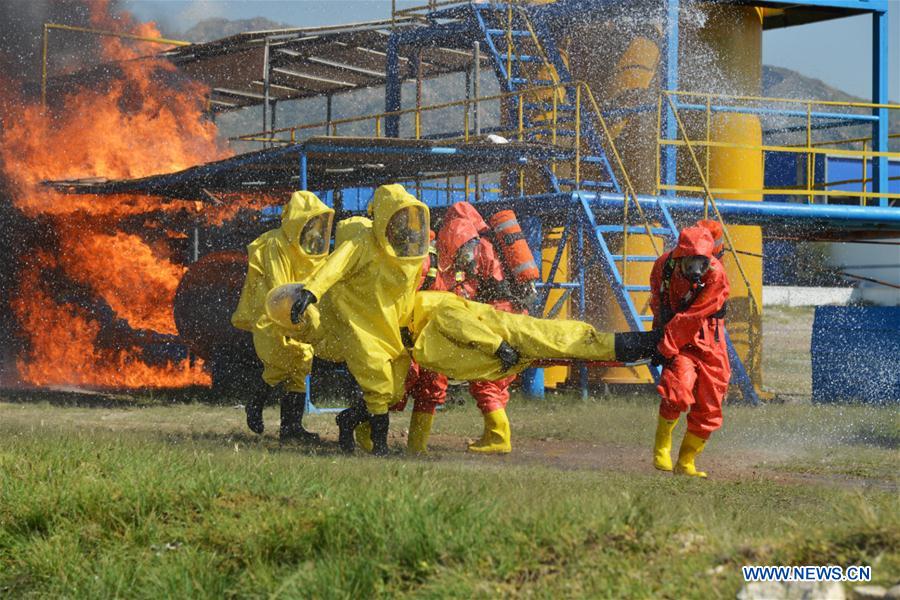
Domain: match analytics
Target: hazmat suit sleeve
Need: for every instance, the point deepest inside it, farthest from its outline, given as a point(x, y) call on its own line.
point(339, 264)
point(253, 292)
point(685, 325)
point(655, 285)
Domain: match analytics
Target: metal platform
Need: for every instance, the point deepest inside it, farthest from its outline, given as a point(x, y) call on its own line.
point(262, 67)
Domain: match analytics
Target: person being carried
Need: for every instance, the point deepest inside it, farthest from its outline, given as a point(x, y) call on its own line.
point(472, 341)
point(689, 289)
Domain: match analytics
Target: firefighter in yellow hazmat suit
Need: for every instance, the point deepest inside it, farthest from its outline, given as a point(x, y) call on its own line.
point(371, 280)
point(284, 255)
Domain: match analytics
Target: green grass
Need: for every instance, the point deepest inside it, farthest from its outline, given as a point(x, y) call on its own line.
point(787, 335)
point(176, 500)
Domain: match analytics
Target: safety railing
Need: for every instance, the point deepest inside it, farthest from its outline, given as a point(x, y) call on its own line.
point(794, 123)
point(452, 122)
point(625, 181)
point(430, 6)
point(412, 122)
point(513, 50)
point(551, 129)
point(420, 10)
point(864, 180)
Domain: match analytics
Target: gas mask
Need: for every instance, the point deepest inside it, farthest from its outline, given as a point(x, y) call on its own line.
point(694, 267)
point(316, 235)
point(407, 232)
point(465, 257)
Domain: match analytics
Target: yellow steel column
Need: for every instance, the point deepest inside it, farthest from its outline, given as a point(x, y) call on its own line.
point(44, 67)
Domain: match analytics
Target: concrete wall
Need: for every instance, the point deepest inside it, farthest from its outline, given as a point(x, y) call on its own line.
point(877, 261)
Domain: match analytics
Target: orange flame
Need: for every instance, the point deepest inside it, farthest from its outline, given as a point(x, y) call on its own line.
point(136, 126)
point(63, 348)
point(140, 289)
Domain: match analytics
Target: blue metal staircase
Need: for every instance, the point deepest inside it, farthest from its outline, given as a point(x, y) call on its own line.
point(525, 55)
point(523, 58)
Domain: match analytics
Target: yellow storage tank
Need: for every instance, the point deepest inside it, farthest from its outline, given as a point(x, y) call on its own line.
point(737, 33)
point(553, 376)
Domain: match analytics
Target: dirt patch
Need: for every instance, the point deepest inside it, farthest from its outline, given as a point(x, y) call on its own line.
point(758, 457)
point(574, 455)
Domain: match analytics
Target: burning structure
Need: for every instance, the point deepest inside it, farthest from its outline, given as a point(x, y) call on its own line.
point(92, 285)
point(588, 97)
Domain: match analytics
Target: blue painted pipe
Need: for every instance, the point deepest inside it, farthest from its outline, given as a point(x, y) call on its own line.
point(741, 212)
point(803, 218)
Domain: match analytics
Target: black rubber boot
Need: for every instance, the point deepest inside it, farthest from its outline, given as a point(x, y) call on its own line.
point(254, 409)
point(292, 406)
point(347, 420)
point(632, 346)
point(380, 425)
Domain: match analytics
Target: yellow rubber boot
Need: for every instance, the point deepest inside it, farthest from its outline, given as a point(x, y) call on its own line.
point(691, 447)
point(363, 435)
point(495, 439)
point(419, 431)
point(662, 445)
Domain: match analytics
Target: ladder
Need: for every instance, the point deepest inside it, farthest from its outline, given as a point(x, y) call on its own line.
point(525, 55)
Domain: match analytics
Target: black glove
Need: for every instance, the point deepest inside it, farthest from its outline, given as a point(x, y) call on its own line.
point(508, 356)
point(658, 360)
point(300, 305)
point(632, 346)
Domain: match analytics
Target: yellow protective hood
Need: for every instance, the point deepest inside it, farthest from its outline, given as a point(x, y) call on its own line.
point(302, 207)
point(275, 258)
point(388, 200)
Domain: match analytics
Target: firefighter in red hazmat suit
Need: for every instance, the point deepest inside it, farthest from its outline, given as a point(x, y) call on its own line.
point(689, 291)
point(469, 266)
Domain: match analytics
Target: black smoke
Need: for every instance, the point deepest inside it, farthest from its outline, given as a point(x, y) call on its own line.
point(21, 38)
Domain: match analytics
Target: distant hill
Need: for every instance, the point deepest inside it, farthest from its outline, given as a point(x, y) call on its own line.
point(778, 82)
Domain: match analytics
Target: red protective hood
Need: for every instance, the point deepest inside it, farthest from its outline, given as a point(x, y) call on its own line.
point(715, 230)
point(694, 241)
point(464, 210)
point(451, 238)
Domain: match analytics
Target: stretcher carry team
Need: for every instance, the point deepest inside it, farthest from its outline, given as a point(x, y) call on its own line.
point(403, 321)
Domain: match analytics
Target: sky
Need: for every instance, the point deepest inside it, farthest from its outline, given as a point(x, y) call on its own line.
point(837, 51)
